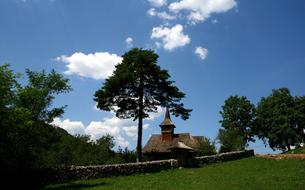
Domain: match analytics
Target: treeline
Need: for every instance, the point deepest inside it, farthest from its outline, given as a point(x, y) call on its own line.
point(278, 119)
point(28, 142)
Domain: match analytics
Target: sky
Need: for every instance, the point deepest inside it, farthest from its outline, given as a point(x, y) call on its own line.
point(212, 49)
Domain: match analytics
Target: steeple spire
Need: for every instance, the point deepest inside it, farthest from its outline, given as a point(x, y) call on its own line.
point(167, 127)
point(167, 120)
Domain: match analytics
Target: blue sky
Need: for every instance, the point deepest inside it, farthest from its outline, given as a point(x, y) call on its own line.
point(212, 49)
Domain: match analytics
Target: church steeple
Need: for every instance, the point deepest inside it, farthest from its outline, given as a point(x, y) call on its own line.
point(167, 127)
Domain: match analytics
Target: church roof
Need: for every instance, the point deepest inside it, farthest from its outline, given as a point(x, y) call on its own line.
point(181, 145)
point(167, 120)
point(155, 143)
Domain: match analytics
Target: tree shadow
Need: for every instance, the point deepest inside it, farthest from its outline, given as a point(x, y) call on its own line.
point(76, 186)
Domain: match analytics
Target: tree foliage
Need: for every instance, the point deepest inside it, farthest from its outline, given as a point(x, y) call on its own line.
point(280, 119)
point(38, 95)
point(238, 115)
point(137, 87)
point(8, 87)
point(25, 134)
point(230, 140)
point(205, 147)
point(27, 141)
point(300, 117)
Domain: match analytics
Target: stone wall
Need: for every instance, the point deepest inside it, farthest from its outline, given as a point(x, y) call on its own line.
point(65, 174)
point(204, 160)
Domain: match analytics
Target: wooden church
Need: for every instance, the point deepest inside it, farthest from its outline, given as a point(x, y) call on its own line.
point(170, 145)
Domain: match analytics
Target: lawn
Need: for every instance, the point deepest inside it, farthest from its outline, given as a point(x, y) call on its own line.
point(245, 174)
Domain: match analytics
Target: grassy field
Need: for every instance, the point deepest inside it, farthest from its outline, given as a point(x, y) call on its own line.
point(296, 151)
point(245, 174)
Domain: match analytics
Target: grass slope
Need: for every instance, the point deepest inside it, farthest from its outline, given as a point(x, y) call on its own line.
point(300, 150)
point(250, 173)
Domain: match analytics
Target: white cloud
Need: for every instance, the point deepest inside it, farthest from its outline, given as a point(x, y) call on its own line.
point(163, 15)
point(72, 127)
point(157, 3)
point(154, 115)
point(97, 129)
point(170, 38)
point(120, 141)
point(131, 131)
point(201, 52)
point(110, 125)
point(200, 10)
point(129, 42)
point(99, 65)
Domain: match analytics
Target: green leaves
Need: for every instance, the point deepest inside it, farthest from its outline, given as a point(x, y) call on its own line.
point(138, 85)
point(8, 86)
point(38, 95)
point(280, 119)
point(122, 90)
point(238, 115)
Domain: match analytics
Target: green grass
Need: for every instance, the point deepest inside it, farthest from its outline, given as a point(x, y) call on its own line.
point(300, 150)
point(250, 173)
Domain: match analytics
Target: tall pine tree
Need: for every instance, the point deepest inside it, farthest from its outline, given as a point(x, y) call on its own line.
point(137, 87)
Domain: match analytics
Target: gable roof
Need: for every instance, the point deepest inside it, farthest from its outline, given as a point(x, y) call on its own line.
point(155, 143)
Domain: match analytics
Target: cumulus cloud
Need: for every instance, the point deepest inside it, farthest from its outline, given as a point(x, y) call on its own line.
point(157, 3)
point(201, 52)
point(154, 115)
point(200, 10)
point(122, 142)
point(129, 42)
point(72, 127)
point(98, 65)
point(130, 131)
point(170, 38)
point(110, 125)
point(163, 15)
point(97, 129)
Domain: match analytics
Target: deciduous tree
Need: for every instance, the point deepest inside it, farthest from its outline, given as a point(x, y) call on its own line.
point(238, 115)
point(276, 120)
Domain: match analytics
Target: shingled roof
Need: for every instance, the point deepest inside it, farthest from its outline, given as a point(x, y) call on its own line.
point(155, 143)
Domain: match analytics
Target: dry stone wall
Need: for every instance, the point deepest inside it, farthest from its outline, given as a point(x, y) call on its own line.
point(65, 174)
point(204, 160)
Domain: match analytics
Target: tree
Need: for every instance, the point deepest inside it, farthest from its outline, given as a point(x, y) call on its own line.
point(300, 117)
point(230, 140)
point(138, 85)
point(25, 136)
point(238, 115)
point(38, 95)
point(276, 120)
point(205, 147)
point(8, 87)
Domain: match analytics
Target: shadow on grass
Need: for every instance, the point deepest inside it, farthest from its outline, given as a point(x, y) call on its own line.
point(76, 186)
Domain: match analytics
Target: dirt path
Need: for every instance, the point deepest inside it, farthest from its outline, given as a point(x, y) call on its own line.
point(282, 156)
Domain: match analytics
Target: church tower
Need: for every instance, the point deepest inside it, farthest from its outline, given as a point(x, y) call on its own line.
point(167, 127)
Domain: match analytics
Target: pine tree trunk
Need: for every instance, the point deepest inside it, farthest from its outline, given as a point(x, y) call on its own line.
point(140, 123)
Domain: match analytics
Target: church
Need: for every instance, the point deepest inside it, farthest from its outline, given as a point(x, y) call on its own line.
point(168, 144)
